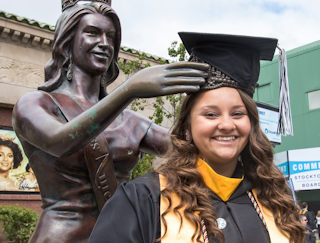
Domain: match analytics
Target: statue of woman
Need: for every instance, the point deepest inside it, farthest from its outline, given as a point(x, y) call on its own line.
point(81, 141)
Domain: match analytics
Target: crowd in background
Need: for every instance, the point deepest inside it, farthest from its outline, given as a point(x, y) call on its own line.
point(311, 223)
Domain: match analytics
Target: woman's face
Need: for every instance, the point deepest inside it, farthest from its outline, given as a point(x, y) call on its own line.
point(6, 158)
point(93, 43)
point(304, 220)
point(220, 126)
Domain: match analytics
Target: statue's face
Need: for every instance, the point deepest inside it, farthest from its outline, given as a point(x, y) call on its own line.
point(6, 158)
point(93, 44)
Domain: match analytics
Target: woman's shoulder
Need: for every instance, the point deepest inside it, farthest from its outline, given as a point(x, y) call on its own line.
point(35, 103)
point(150, 180)
point(144, 187)
point(36, 97)
point(147, 182)
point(134, 209)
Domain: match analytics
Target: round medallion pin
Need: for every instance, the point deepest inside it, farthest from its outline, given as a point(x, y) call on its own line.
point(222, 223)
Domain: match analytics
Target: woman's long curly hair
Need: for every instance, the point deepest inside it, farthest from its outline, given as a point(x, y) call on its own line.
point(57, 66)
point(185, 181)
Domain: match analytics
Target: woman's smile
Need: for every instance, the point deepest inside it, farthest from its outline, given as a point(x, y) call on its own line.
point(225, 140)
point(220, 126)
point(100, 54)
point(221, 138)
point(6, 158)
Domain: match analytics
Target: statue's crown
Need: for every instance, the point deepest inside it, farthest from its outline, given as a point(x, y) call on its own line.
point(69, 3)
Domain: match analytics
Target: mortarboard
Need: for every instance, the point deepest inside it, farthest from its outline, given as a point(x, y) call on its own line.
point(234, 59)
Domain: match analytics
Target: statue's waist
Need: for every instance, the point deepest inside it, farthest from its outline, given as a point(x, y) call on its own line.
point(69, 207)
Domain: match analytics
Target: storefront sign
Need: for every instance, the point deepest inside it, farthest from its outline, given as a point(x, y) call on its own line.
point(269, 117)
point(305, 175)
point(303, 167)
point(281, 160)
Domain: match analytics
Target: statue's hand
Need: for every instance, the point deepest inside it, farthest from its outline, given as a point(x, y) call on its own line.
point(167, 79)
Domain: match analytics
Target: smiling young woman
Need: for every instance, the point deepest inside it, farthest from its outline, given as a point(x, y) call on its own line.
point(218, 182)
point(220, 128)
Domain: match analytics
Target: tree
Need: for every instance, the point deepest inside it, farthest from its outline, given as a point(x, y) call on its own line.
point(178, 50)
point(162, 111)
point(129, 67)
point(18, 223)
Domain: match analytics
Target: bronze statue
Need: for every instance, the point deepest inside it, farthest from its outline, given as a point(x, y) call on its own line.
point(81, 142)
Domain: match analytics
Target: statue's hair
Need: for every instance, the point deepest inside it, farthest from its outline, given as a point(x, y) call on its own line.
point(56, 68)
point(184, 180)
point(17, 154)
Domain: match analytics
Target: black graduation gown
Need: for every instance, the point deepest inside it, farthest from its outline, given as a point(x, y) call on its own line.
point(132, 215)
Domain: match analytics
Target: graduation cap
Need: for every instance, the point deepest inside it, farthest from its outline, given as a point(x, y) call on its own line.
point(234, 59)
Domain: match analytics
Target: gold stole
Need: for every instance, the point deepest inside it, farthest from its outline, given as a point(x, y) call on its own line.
point(276, 235)
point(173, 234)
point(221, 185)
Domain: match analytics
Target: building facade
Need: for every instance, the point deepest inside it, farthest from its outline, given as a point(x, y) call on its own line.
point(304, 83)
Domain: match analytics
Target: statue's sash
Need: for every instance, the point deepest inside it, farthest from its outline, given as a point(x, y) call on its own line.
point(97, 155)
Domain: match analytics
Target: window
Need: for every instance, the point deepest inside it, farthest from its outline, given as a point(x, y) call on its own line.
point(314, 100)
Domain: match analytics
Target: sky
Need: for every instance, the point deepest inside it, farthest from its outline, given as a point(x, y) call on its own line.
point(151, 26)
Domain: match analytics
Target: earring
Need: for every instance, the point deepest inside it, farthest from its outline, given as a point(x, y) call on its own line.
point(70, 70)
point(188, 136)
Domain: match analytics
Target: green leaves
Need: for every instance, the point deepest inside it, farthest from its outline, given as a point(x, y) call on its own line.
point(18, 223)
point(131, 66)
point(138, 104)
point(144, 166)
point(178, 50)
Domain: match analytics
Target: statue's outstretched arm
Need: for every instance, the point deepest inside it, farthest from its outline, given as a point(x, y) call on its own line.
point(36, 117)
